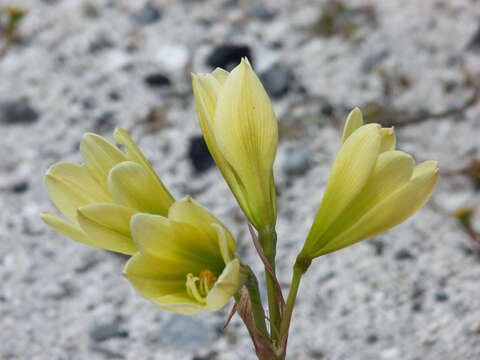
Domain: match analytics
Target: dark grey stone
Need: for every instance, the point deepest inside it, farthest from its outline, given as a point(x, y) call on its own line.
point(404, 254)
point(18, 111)
point(105, 122)
point(199, 154)
point(297, 161)
point(441, 296)
point(474, 43)
point(89, 261)
point(157, 80)
point(105, 331)
point(372, 339)
point(227, 56)
point(100, 43)
point(210, 356)
point(417, 307)
point(277, 80)
point(147, 15)
point(19, 187)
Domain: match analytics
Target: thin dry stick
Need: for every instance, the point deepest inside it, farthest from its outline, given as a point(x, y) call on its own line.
point(230, 316)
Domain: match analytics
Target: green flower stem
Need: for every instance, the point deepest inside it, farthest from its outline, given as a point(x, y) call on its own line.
point(268, 240)
point(257, 308)
point(300, 267)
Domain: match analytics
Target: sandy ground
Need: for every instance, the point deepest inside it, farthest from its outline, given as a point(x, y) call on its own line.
point(410, 294)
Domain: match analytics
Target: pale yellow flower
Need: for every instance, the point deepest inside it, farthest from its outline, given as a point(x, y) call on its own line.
point(186, 262)
point(240, 129)
point(372, 187)
point(100, 196)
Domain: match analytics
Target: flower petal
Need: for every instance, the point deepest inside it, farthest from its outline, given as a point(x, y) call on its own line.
point(354, 122)
point(178, 303)
point(220, 74)
point(388, 140)
point(70, 186)
point(108, 225)
point(135, 154)
point(65, 228)
point(206, 88)
point(226, 286)
point(100, 156)
point(350, 172)
point(153, 278)
point(246, 133)
point(189, 211)
point(132, 185)
point(393, 170)
point(394, 209)
point(160, 237)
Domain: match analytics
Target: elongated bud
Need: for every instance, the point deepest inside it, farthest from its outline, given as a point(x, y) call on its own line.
point(240, 129)
point(372, 187)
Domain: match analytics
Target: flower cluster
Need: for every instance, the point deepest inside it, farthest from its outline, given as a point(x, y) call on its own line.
point(182, 257)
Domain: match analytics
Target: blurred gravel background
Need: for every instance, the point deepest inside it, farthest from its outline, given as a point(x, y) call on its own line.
point(76, 66)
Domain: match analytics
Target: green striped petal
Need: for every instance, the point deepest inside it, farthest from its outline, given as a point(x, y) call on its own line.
point(354, 122)
point(153, 278)
point(350, 172)
point(191, 212)
point(65, 228)
point(132, 185)
point(160, 237)
point(135, 154)
point(392, 210)
point(246, 133)
point(70, 186)
point(393, 170)
point(108, 225)
point(100, 156)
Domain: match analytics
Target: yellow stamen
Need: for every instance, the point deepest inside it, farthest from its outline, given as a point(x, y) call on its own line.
point(199, 286)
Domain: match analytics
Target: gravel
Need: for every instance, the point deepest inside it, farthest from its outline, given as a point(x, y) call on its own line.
point(368, 301)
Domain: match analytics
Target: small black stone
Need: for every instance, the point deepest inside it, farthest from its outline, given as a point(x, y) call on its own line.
point(147, 15)
point(19, 187)
point(210, 356)
point(114, 96)
point(88, 103)
point(17, 112)
point(417, 307)
point(371, 339)
point(441, 296)
point(157, 80)
point(277, 80)
point(378, 246)
point(404, 254)
point(327, 109)
point(199, 155)
point(227, 56)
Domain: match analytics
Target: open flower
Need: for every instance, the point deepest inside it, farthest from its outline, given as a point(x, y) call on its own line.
point(100, 196)
point(240, 129)
point(186, 263)
point(372, 187)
